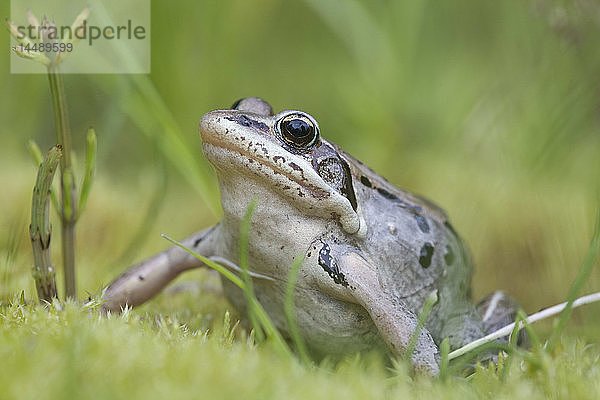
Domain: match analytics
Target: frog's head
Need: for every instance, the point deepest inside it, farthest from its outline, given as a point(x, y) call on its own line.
point(283, 152)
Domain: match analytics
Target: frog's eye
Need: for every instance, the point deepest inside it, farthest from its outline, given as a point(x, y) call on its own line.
point(298, 131)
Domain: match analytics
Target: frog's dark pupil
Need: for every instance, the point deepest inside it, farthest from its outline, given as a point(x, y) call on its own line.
point(298, 131)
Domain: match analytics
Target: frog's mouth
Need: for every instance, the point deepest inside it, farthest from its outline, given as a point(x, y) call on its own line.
point(274, 172)
point(241, 148)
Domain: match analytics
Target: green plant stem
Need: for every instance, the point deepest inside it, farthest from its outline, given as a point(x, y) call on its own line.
point(63, 132)
point(444, 361)
point(40, 230)
point(38, 158)
point(68, 190)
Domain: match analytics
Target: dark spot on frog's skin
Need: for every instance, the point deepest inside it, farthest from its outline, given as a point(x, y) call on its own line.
point(309, 254)
point(401, 203)
point(282, 247)
point(330, 266)
point(278, 158)
point(347, 188)
point(201, 238)
point(295, 166)
point(243, 120)
point(449, 256)
point(422, 223)
point(425, 255)
point(365, 181)
point(386, 194)
point(141, 277)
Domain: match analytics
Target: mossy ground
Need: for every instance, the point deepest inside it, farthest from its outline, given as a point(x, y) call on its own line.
point(72, 353)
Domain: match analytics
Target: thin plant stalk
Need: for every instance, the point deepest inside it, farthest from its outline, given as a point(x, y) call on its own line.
point(563, 308)
point(508, 329)
point(40, 230)
point(70, 206)
point(68, 189)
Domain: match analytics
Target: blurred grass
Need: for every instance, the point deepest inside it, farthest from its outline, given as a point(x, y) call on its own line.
point(490, 108)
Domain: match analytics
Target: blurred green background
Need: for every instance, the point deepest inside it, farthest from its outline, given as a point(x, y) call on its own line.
point(489, 108)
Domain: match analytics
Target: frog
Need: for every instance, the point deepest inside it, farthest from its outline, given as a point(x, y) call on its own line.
point(371, 253)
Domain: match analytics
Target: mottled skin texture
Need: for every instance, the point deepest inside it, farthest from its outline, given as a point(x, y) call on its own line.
point(372, 253)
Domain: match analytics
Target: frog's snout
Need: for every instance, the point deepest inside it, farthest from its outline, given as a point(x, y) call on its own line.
point(207, 123)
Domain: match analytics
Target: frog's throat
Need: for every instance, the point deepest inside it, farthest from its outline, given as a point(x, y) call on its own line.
point(290, 179)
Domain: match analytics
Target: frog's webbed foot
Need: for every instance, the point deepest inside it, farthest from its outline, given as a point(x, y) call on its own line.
point(146, 279)
point(352, 278)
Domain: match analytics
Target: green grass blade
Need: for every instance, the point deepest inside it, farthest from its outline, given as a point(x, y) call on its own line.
point(423, 315)
point(217, 267)
point(535, 340)
point(269, 328)
point(580, 280)
point(512, 344)
point(90, 166)
point(290, 314)
point(444, 361)
point(149, 112)
point(364, 37)
point(243, 262)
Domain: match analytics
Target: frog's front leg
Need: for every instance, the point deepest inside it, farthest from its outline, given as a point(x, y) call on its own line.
point(146, 279)
point(348, 276)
